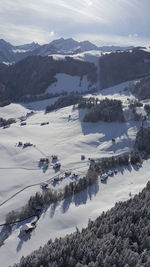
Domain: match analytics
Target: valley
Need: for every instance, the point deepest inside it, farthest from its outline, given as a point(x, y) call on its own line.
point(64, 134)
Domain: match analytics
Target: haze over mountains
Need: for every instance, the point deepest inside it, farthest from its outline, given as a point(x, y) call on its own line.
point(10, 53)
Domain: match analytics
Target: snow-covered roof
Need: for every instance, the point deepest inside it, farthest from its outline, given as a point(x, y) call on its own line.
point(27, 226)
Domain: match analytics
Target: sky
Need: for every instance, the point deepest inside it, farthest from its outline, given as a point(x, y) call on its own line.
point(103, 22)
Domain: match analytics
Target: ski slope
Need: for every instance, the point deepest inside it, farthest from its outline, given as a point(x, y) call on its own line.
point(69, 138)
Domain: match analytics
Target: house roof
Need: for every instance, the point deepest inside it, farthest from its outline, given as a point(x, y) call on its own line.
point(27, 226)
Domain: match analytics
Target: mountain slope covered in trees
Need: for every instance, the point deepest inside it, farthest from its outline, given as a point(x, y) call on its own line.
point(123, 66)
point(34, 74)
point(119, 237)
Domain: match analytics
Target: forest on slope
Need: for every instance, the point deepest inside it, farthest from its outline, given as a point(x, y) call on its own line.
point(120, 237)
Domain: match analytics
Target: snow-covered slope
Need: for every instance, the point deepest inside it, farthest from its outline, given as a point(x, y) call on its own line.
point(89, 56)
point(62, 219)
point(68, 83)
point(68, 137)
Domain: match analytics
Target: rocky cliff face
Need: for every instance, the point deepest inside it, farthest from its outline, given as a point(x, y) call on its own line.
point(123, 66)
point(35, 73)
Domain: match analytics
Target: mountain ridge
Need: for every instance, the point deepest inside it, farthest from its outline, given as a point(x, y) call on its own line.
point(10, 53)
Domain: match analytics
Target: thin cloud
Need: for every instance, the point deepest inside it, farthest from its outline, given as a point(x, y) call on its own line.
point(35, 20)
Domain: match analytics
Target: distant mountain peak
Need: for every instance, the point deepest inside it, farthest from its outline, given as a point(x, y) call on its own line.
point(66, 46)
point(71, 45)
point(28, 47)
point(3, 42)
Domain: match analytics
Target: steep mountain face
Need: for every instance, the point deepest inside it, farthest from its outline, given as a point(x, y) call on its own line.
point(120, 67)
point(35, 73)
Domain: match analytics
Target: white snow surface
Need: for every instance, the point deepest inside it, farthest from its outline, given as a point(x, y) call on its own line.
point(19, 50)
point(89, 56)
point(68, 138)
point(68, 83)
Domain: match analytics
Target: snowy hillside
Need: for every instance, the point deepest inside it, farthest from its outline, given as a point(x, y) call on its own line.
point(68, 83)
point(89, 56)
point(68, 137)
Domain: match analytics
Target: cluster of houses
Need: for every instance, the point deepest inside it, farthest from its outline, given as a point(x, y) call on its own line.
point(23, 118)
point(57, 166)
point(66, 174)
point(24, 145)
point(44, 162)
point(105, 176)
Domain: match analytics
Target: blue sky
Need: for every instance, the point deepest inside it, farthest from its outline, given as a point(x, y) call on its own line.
point(103, 22)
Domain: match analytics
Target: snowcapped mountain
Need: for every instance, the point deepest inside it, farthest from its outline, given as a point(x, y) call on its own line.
point(69, 45)
point(10, 53)
point(87, 46)
point(28, 47)
point(65, 44)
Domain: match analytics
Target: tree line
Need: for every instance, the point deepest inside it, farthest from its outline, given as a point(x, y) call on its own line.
point(48, 196)
point(64, 101)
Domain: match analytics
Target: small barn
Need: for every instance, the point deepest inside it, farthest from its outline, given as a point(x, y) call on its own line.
point(27, 228)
